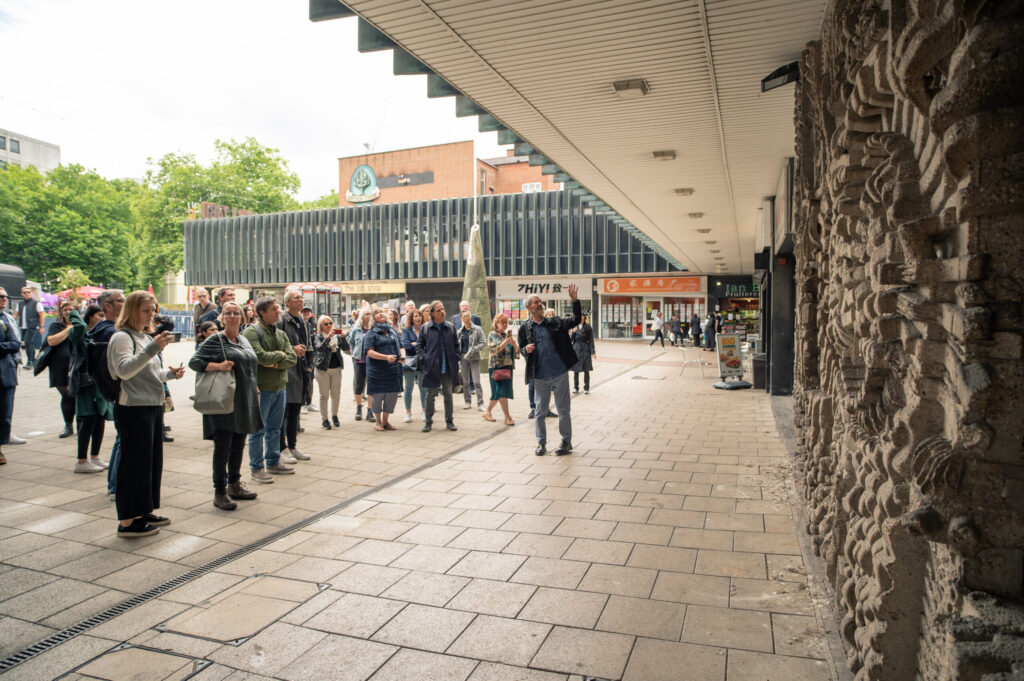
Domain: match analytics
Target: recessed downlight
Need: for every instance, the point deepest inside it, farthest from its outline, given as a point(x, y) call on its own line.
point(712, 242)
point(684, 191)
point(695, 216)
point(715, 250)
point(631, 89)
point(703, 231)
point(664, 155)
point(718, 257)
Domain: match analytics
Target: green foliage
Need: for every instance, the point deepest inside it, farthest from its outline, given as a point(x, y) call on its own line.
point(126, 233)
point(71, 278)
point(69, 218)
point(328, 200)
point(244, 175)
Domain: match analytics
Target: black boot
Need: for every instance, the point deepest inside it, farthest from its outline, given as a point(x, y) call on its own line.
point(223, 502)
point(67, 432)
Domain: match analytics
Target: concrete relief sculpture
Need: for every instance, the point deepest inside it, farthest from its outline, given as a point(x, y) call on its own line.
point(910, 382)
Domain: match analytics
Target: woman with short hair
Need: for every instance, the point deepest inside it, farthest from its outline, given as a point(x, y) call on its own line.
point(503, 353)
point(363, 323)
point(230, 351)
point(383, 348)
point(328, 363)
point(132, 356)
point(93, 410)
point(59, 367)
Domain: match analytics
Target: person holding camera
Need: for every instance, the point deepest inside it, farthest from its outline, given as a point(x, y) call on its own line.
point(328, 345)
point(139, 414)
point(500, 363)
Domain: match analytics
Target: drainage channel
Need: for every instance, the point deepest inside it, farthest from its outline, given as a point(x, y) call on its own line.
point(124, 606)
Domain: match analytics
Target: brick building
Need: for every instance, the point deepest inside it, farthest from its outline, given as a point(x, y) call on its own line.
point(438, 171)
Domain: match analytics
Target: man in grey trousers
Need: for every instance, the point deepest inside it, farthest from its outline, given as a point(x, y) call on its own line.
point(549, 356)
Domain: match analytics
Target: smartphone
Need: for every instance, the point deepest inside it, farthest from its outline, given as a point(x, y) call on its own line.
point(175, 336)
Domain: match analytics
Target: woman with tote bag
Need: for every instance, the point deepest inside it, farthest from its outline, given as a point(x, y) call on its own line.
point(228, 351)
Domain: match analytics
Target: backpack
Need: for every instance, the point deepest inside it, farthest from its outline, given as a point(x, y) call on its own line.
point(96, 364)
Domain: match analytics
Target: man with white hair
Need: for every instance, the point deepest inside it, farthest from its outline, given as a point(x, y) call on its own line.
point(464, 307)
point(549, 356)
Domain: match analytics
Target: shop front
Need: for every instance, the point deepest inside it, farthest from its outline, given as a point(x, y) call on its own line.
point(737, 299)
point(510, 295)
point(338, 299)
point(627, 306)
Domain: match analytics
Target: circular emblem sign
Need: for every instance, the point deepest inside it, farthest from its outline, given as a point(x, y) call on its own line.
point(363, 185)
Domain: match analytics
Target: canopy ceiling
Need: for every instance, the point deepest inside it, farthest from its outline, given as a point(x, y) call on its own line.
point(545, 71)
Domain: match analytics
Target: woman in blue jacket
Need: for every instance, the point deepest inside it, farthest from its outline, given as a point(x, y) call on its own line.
point(411, 374)
point(383, 350)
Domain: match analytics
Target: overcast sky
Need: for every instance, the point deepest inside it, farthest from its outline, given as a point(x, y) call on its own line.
point(114, 82)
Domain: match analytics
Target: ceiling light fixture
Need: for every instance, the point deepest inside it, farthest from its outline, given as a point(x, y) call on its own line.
point(718, 257)
point(703, 231)
point(664, 155)
point(696, 215)
point(684, 191)
point(715, 250)
point(710, 243)
point(631, 89)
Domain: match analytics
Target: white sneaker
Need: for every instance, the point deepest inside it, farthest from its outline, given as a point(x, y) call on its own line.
point(286, 456)
point(304, 410)
point(480, 407)
point(312, 407)
point(99, 462)
point(468, 405)
point(299, 455)
point(15, 440)
point(86, 467)
point(408, 416)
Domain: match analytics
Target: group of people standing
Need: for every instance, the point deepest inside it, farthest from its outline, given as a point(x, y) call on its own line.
point(707, 329)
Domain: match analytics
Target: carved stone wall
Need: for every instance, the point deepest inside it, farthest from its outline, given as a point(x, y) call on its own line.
point(909, 374)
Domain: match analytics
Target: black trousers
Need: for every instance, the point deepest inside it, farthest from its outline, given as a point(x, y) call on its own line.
point(228, 447)
point(576, 380)
point(446, 391)
point(90, 428)
point(67, 405)
point(142, 459)
point(290, 428)
point(658, 335)
point(6, 412)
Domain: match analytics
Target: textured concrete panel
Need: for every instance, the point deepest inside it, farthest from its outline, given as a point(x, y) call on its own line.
point(909, 248)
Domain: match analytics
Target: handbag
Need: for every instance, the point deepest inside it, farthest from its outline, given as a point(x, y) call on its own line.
point(43, 359)
point(215, 390)
point(504, 374)
point(411, 363)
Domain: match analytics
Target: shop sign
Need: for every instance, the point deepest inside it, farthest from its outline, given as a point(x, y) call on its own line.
point(363, 185)
point(372, 287)
point(730, 360)
point(547, 289)
point(744, 288)
point(640, 286)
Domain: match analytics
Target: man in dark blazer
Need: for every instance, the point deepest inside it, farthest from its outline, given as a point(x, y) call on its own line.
point(549, 356)
point(10, 349)
point(297, 330)
point(439, 361)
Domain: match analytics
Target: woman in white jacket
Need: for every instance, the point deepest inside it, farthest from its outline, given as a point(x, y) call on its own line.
point(132, 356)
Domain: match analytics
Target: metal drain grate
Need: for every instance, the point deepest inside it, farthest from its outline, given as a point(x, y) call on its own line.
point(648, 378)
point(124, 606)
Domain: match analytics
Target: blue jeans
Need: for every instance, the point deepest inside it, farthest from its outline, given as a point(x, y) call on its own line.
point(559, 385)
point(115, 458)
point(413, 378)
point(272, 411)
point(31, 337)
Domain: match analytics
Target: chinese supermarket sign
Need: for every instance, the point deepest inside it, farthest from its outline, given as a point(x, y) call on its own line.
point(730, 361)
point(640, 286)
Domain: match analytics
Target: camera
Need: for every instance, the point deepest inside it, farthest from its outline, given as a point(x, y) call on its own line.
point(163, 323)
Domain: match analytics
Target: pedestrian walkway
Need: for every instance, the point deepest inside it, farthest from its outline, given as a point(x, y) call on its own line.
point(663, 548)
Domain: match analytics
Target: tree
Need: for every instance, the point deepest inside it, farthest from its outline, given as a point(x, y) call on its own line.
point(328, 200)
point(244, 175)
point(69, 218)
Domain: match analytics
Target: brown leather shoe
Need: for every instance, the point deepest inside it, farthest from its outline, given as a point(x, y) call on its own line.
point(223, 502)
point(236, 491)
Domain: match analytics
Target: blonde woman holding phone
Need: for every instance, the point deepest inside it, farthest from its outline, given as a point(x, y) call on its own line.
point(133, 357)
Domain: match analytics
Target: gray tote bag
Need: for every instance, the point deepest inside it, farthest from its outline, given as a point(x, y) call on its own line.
point(215, 390)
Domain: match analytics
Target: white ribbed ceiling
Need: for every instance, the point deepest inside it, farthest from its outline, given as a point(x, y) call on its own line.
point(545, 70)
